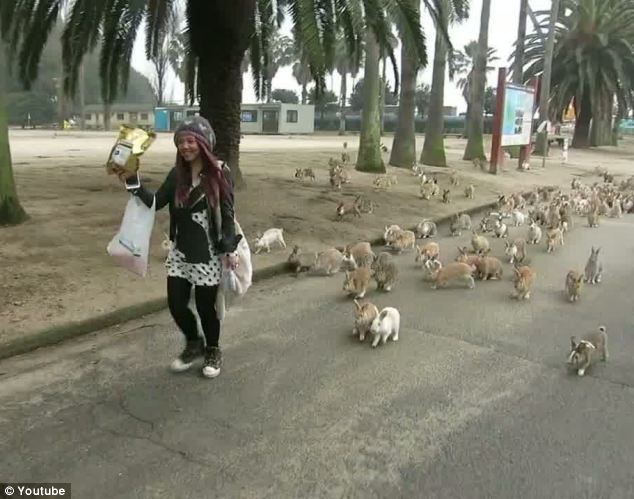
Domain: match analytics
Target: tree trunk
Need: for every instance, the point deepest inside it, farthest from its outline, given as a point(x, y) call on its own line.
point(601, 131)
point(475, 141)
point(434, 146)
point(304, 94)
point(404, 146)
point(82, 95)
point(382, 90)
point(621, 113)
point(220, 51)
point(107, 114)
point(541, 146)
point(518, 67)
point(11, 212)
point(369, 157)
point(342, 108)
point(581, 137)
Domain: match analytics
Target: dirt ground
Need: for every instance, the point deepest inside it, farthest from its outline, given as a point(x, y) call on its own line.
point(54, 268)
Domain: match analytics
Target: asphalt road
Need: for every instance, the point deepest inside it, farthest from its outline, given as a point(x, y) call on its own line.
point(473, 401)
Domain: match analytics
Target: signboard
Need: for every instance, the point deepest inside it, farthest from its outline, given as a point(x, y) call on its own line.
point(517, 119)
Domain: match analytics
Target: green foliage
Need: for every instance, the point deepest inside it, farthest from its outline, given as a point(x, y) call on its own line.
point(356, 97)
point(284, 96)
point(489, 100)
point(423, 96)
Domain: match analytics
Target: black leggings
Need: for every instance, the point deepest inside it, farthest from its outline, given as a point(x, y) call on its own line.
point(178, 293)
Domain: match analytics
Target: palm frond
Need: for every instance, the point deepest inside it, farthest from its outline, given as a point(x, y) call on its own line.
point(160, 14)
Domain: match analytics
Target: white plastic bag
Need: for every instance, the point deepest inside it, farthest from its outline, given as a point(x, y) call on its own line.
point(235, 283)
point(130, 248)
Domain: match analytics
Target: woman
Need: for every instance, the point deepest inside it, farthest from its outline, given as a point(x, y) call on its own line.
point(199, 249)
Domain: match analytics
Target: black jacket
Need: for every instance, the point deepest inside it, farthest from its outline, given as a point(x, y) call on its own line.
point(166, 194)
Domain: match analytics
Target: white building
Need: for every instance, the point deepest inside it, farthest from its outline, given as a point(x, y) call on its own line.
point(132, 114)
point(275, 117)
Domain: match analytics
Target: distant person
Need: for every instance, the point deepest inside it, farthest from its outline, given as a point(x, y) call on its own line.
point(192, 189)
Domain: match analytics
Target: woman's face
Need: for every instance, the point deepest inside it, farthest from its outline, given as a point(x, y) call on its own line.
point(188, 147)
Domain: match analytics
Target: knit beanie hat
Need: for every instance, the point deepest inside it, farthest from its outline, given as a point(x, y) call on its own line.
point(200, 128)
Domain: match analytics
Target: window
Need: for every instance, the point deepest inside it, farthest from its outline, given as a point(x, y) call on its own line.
point(144, 117)
point(120, 117)
point(134, 117)
point(88, 116)
point(291, 116)
point(250, 116)
point(192, 112)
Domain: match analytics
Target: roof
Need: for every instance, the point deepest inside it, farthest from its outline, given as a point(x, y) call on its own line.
point(120, 108)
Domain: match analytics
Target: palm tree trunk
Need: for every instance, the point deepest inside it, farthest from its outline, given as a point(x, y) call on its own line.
point(601, 128)
point(369, 157)
point(581, 137)
point(404, 146)
point(382, 96)
point(620, 114)
point(106, 116)
point(82, 94)
point(11, 212)
point(434, 147)
point(304, 93)
point(475, 141)
point(220, 54)
point(342, 113)
point(541, 146)
point(518, 69)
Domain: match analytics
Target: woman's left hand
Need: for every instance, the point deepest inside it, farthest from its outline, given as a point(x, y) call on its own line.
point(230, 261)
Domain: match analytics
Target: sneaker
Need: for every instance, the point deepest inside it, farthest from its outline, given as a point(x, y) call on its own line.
point(193, 350)
point(213, 361)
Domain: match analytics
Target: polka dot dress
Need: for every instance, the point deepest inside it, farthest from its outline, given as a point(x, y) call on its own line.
point(198, 274)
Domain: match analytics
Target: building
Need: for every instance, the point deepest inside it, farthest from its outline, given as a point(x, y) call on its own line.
point(269, 118)
point(133, 114)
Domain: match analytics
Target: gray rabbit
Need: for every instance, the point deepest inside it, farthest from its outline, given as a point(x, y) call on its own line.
point(594, 268)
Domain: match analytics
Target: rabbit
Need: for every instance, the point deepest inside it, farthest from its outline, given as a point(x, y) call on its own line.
point(454, 179)
point(594, 268)
point(469, 191)
point(429, 251)
point(356, 282)
point(575, 184)
point(519, 201)
point(617, 209)
point(523, 282)
point(427, 190)
point(269, 237)
point(306, 172)
point(518, 218)
point(454, 226)
point(364, 315)
point(582, 353)
point(454, 271)
point(593, 218)
point(403, 240)
point(465, 257)
point(445, 196)
point(479, 163)
point(426, 229)
point(328, 261)
point(574, 283)
point(430, 267)
point(385, 271)
point(516, 251)
point(534, 233)
point(166, 244)
point(554, 237)
point(389, 232)
point(386, 324)
point(480, 244)
point(489, 267)
point(500, 230)
point(358, 255)
point(299, 261)
point(465, 221)
point(348, 207)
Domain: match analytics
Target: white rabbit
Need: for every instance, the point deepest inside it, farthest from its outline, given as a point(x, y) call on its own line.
point(385, 325)
point(518, 218)
point(268, 238)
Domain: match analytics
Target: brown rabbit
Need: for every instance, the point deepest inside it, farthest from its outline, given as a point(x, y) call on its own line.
point(445, 196)
point(299, 261)
point(360, 254)
point(385, 271)
point(593, 218)
point(489, 267)
point(582, 353)
point(480, 244)
point(405, 239)
point(469, 191)
point(454, 271)
point(429, 251)
point(574, 283)
point(364, 315)
point(523, 282)
point(554, 237)
point(348, 207)
point(356, 282)
point(328, 261)
point(465, 257)
point(516, 251)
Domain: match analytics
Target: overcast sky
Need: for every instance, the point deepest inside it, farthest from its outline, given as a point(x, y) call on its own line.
point(502, 34)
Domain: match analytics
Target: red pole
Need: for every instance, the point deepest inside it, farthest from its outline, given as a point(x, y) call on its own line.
point(525, 151)
point(496, 144)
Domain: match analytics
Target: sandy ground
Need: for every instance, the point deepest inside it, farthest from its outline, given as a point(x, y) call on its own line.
point(54, 268)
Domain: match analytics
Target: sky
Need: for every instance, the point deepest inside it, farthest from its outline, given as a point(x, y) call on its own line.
point(502, 35)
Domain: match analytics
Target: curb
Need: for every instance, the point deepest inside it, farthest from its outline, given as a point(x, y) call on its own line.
point(57, 334)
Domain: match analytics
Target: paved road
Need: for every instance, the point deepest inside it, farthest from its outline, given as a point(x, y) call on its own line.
point(473, 401)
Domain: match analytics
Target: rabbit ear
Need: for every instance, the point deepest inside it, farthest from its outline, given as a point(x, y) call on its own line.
point(573, 342)
point(382, 315)
point(357, 304)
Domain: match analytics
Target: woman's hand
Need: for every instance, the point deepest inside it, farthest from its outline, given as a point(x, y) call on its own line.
point(230, 261)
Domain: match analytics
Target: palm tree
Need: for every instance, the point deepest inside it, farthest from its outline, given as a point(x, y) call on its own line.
point(465, 65)
point(434, 147)
point(345, 64)
point(475, 117)
point(301, 73)
point(593, 63)
point(383, 51)
point(281, 53)
point(11, 211)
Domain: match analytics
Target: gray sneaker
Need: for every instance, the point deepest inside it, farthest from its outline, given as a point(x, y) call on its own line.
point(193, 350)
point(213, 361)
